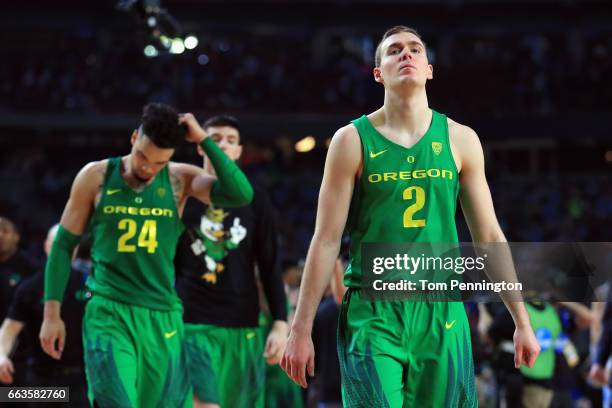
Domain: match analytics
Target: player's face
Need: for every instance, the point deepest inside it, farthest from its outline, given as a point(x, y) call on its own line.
point(146, 158)
point(9, 238)
point(228, 140)
point(403, 61)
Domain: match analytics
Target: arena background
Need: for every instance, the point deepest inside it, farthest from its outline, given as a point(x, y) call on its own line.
point(534, 79)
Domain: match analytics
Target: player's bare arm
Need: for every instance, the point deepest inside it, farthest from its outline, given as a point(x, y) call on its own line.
point(190, 181)
point(8, 335)
point(341, 169)
point(83, 196)
point(477, 206)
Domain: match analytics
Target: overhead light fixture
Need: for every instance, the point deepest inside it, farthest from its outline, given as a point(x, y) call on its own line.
point(165, 32)
point(150, 51)
point(177, 46)
point(191, 42)
point(151, 21)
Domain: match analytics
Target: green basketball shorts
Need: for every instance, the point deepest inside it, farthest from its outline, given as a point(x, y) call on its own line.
point(134, 356)
point(405, 354)
point(226, 364)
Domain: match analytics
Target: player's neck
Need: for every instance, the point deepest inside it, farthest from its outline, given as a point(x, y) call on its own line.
point(406, 113)
point(128, 176)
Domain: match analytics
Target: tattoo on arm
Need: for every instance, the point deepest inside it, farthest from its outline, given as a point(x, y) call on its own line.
point(100, 188)
point(177, 188)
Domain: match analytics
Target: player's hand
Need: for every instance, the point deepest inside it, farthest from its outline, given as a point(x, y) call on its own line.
point(598, 374)
point(6, 370)
point(526, 347)
point(195, 133)
point(276, 342)
point(298, 357)
point(53, 337)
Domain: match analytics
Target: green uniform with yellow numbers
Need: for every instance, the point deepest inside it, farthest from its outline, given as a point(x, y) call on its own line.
point(403, 353)
point(133, 328)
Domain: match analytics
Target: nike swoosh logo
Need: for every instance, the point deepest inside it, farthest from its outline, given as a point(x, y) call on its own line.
point(170, 334)
point(111, 192)
point(449, 325)
point(250, 335)
point(374, 155)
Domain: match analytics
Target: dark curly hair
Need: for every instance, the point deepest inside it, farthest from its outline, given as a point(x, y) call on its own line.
point(160, 124)
point(222, 120)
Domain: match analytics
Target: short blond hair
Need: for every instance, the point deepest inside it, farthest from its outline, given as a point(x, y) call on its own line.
point(389, 33)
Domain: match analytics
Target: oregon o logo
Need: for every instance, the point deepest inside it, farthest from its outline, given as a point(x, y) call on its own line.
point(410, 159)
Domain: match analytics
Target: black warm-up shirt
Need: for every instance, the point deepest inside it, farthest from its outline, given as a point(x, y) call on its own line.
point(27, 307)
point(215, 263)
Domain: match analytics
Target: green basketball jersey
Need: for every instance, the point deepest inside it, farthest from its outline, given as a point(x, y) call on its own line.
point(404, 194)
point(134, 241)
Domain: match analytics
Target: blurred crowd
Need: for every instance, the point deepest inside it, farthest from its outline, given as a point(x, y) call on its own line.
point(99, 70)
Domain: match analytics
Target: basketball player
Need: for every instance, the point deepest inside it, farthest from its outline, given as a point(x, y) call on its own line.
point(133, 326)
point(399, 353)
point(216, 263)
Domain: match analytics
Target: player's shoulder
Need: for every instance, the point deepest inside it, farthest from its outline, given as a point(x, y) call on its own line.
point(459, 130)
point(347, 137)
point(183, 171)
point(176, 168)
point(93, 172)
point(347, 132)
point(461, 135)
point(96, 166)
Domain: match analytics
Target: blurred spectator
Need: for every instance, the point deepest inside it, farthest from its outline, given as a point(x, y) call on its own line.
point(15, 267)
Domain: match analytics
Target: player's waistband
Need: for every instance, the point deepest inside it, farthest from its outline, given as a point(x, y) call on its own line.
point(429, 296)
point(151, 305)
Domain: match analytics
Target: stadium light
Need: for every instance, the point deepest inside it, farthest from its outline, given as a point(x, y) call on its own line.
point(164, 30)
point(151, 21)
point(165, 41)
point(177, 46)
point(191, 42)
point(305, 145)
point(150, 51)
